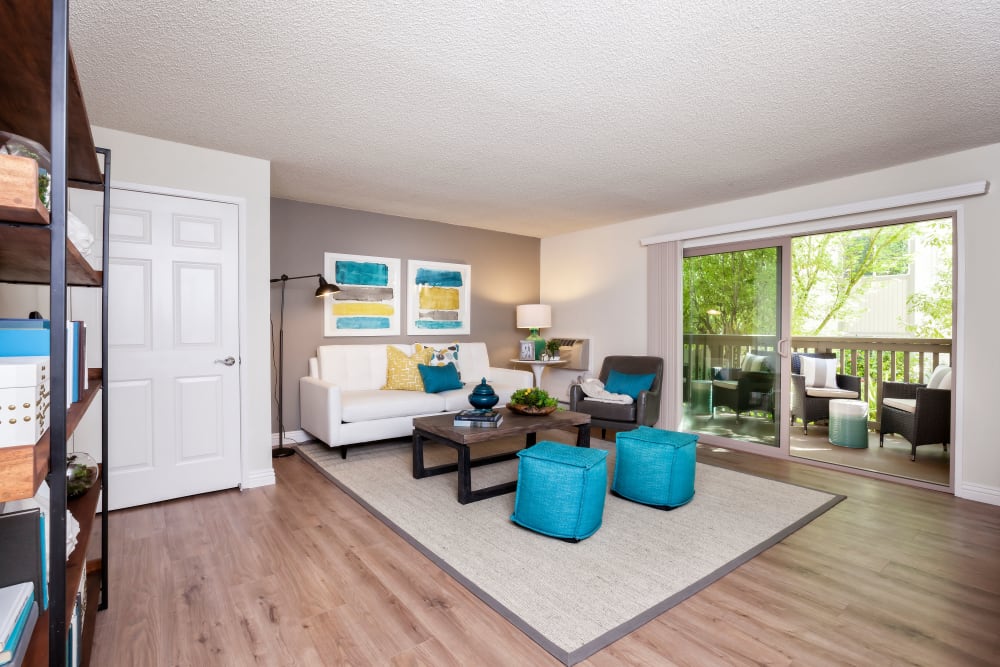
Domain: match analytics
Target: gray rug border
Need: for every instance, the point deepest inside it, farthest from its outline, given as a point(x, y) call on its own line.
point(614, 634)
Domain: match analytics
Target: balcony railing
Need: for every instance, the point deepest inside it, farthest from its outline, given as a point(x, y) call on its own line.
point(874, 360)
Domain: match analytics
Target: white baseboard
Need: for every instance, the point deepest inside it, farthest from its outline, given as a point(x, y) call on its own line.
point(256, 478)
point(292, 438)
point(979, 492)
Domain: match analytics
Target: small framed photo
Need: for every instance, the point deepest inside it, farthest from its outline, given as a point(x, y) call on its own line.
point(527, 350)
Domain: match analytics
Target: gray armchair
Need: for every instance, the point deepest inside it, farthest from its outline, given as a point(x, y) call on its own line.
point(920, 413)
point(811, 404)
point(642, 412)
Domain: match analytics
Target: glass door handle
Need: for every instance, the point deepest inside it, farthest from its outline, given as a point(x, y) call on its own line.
point(783, 346)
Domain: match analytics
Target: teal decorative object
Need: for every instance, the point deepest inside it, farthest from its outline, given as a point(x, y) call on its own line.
point(483, 397)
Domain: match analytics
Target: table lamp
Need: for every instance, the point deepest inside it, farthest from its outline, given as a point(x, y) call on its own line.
point(535, 316)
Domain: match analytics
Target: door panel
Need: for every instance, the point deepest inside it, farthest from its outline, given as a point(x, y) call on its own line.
point(732, 359)
point(174, 412)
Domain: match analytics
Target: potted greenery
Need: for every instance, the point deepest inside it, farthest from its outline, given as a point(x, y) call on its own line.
point(532, 402)
point(552, 347)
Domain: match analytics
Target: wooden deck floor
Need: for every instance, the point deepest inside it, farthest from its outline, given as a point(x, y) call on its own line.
point(299, 574)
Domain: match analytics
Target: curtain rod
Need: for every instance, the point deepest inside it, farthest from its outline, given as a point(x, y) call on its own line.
point(972, 189)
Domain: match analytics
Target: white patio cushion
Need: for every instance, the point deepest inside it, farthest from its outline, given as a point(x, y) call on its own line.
point(940, 378)
point(726, 384)
point(820, 372)
point(905, 404)
point(826, 392)
point(368, 404)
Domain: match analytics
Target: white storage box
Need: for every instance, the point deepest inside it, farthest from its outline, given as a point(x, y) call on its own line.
point(24, 400)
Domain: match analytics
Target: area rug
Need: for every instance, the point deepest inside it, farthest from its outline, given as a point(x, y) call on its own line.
point(572, 599)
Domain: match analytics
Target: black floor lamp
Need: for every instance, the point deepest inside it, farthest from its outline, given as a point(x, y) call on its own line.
point(323, 289)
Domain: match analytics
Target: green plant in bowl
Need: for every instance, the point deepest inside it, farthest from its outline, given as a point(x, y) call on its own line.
point(533, 398)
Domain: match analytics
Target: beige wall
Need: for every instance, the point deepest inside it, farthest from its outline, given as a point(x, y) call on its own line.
point(504, 274)
point(163, 164)
point(596, 280)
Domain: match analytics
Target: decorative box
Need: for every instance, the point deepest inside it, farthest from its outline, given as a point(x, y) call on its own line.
point(24, 400)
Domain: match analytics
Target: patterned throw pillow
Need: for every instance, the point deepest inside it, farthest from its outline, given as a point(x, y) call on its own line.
point(402, 371)
point(754, 363)
point(820, 372)
point(441, 356)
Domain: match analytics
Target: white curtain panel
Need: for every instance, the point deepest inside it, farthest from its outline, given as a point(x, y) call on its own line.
point(664, 263)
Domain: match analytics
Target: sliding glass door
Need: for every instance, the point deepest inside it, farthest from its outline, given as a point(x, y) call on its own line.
point(734, 328)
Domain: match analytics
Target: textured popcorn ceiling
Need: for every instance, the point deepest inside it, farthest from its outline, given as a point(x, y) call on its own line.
point(539, 117)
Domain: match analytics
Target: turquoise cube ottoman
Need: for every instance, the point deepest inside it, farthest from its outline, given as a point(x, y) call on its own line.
point(561, 490)
point(655, 467)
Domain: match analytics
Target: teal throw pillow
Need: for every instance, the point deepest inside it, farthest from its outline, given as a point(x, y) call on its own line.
point(439, 378)
point(623, 383)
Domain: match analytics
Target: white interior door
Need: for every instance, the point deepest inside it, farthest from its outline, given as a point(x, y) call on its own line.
point(174, 403)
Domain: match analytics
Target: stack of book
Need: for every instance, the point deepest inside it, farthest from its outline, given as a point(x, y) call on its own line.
point(478, 418)
point(18, 613)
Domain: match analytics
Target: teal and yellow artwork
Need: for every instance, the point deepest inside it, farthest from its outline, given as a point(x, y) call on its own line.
point(368, 303)
point(438, 301)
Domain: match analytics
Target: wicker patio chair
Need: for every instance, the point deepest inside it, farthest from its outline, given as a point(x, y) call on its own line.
point(744, 389)
point(920, 413)
point(812, 404)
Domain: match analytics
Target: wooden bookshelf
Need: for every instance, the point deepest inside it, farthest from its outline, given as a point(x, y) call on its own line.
point(26, 54)
point(84, 510)
point(23, 468)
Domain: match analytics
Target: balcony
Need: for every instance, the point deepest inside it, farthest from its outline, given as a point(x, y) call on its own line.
point(874, 360)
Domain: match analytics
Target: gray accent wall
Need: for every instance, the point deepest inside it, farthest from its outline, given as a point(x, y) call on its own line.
point(505, 273)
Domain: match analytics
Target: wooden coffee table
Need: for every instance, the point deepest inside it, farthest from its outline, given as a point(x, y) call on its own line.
point(441, 428)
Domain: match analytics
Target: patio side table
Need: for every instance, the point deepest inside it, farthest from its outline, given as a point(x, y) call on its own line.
point(849, 423)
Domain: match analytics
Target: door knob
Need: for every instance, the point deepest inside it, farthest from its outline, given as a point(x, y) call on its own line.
point(228, 361)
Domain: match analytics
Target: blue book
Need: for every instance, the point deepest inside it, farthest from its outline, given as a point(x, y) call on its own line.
point(15, 634)
point(16, 656)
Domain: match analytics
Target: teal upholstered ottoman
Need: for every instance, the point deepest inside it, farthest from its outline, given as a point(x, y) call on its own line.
point(655, 467)
point(561, 490)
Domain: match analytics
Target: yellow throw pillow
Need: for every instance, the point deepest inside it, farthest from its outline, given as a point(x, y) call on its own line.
point(402, 371)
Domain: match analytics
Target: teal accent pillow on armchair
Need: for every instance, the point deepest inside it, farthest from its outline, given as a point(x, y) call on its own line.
point(439, 378)
point(623, 383)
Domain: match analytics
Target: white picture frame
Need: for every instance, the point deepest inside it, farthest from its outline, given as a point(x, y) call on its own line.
point(527, 350)
point(368, 302)
point(438, 299)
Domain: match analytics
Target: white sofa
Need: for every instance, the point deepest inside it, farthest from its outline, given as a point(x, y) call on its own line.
point(342, 401)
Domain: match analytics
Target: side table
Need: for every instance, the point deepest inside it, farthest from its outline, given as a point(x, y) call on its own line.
point(538, 366)
point(849, 423)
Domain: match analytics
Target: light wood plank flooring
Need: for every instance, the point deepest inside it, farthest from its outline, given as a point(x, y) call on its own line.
point(299, 574)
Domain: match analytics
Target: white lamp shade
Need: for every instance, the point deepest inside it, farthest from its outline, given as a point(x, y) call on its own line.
point(534, 316)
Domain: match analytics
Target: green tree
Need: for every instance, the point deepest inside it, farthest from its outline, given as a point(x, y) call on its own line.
point(731, 292)
point(827, 271)
point(931, 307)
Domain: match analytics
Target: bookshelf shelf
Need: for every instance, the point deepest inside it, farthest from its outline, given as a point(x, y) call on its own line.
point(84, 510)
point(26, 88)
point(24, 258)
point(23, 468)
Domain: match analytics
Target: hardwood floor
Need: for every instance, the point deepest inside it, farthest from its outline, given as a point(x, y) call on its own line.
point(299, 574)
